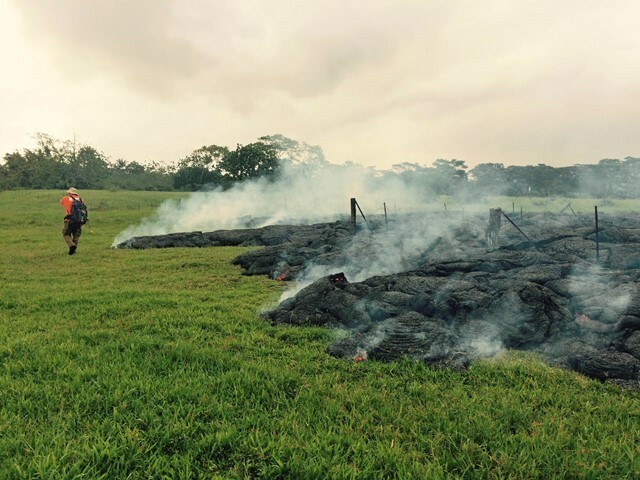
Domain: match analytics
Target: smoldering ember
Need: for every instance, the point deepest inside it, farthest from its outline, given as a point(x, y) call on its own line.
point(450, 288)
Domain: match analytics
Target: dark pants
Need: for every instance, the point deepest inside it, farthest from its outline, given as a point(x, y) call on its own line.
point(71, 233)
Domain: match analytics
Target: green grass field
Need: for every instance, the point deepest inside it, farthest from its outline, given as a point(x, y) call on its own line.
point(155, 364)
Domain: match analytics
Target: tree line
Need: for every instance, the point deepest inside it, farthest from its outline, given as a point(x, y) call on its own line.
point(55, 164)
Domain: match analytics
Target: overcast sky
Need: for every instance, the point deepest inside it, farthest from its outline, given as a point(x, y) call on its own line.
point(375, 82)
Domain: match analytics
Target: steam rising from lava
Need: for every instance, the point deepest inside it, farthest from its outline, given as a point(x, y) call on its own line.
point(297, 197)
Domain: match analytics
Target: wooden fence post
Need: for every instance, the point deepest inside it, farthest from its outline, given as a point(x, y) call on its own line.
point(597, 237)
point(353, 214)
point(386, 223)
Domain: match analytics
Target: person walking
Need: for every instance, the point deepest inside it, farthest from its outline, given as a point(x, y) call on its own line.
point(75, 216)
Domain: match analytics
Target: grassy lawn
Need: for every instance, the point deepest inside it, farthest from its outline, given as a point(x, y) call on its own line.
point(155, 364)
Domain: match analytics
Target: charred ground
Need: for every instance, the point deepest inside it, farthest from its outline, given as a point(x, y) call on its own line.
point(430, 287)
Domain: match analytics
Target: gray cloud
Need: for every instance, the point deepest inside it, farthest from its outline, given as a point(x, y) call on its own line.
point(376, 82)
point(132, 41)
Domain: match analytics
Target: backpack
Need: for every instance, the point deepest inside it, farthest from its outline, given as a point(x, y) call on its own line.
point(79, 214)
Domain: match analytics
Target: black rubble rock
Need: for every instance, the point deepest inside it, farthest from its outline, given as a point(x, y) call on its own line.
point(442, 295)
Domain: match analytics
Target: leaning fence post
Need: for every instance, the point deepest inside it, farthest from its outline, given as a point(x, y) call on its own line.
point(362, 213)
point(574, 213)
point(386, 223)
point(523, 234)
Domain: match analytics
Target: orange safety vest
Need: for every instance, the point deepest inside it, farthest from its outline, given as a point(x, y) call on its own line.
point(67, 201)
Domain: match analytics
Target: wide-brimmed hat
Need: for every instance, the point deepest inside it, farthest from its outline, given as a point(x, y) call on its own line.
point(72, 191)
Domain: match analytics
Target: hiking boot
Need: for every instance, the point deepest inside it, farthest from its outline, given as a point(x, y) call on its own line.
point(72, 249)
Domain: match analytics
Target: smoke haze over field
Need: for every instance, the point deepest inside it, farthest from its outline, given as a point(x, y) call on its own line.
point(376, 83)
point(301, 196)
point(295, 197)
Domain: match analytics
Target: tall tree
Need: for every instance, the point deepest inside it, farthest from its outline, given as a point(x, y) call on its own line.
point(449, 176)
point(250, 161)
point(294, 152)
point(201, 167)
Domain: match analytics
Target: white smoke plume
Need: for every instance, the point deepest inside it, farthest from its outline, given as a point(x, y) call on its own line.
point(304, 196)
point(383, 252)
point(599, 300)
point(297, 197)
